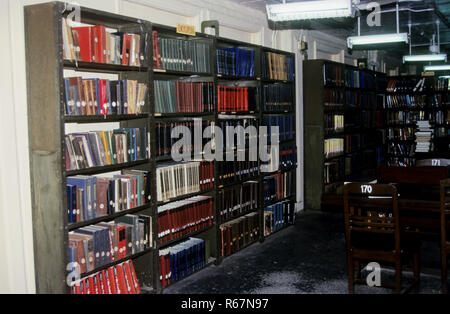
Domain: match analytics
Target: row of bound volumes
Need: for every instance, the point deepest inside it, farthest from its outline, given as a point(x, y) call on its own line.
point(238, 233)
point(104, 148)
point(174, 180)
point(334, 98)
point(410, 84)
point(285, 160)
point(236, 62)
point(333, 123)
point(182, 55)
point(333, 75)
point(236, 99)
point(166, 141)
point(400, 133)
point(90, 197)
point(232, 139)
point(117, 279)
point(97, 245)
point(442, 84)
point(278, 216)
point(333, 171)
point(96, 44)
point(277, 97)
point(278, 186)
point(278, 67)
point(178, 96)
point(285, 124)
point(400, 149)
point(180, 218)
point(232, 171)
point(236, 200)
point(405, 101)
point(181, 260)
point(333, 147)
point(405, 117)
point(86, 97)
point(401, 162)
point(352, 78)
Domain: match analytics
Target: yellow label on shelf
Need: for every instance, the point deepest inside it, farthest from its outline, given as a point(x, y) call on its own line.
point(186, 29)
point(427, 73)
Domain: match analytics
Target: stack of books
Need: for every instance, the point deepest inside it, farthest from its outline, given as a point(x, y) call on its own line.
point(423, 137)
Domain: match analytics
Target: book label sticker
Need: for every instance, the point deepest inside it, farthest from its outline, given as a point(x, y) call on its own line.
point(186, 29)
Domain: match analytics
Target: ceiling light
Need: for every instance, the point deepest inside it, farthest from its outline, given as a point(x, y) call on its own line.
point(377, 39)
point(430, 57)
point(310, 10)
point(441, 67)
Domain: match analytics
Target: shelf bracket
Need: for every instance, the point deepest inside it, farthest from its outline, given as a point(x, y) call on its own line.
point(211, 24)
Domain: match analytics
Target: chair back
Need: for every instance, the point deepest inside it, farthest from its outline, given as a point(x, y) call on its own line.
point(371, 216)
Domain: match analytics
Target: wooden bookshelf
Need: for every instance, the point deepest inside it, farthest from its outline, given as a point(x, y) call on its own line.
point(47, 128)
point(356, 103)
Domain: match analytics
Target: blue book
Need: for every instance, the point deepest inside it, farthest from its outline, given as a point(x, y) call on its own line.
point(81, 183)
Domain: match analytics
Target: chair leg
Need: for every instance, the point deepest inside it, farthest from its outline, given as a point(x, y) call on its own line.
point(416, 262)
point(444, 272)
point(351, 274)
point(398, 276)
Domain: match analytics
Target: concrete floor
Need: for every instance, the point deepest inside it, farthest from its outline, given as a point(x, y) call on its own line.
point(303, 259)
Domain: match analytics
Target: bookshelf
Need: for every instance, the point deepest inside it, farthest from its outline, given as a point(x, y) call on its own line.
point(49, 124)
point(340, 126)
point(410, 99)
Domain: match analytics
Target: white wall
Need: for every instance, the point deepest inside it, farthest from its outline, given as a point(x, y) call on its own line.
point(237, 22)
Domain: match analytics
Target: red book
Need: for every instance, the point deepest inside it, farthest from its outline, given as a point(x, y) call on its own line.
point(162, 270)
point(122, 241)
point(91, 285)
point(98, 284)
point(100, 43)
point(85, 40)
point(104, 282)
point(135, 280)
point(112, 280)
point(129, 278)
point(120, 275)
point(126, 49)
point(103, 95)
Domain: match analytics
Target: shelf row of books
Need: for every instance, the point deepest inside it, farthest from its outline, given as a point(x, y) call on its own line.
point(285, 125)
point(97, 245)
point(278, 216)
point(334, 98)
point(183, 97)
point(410, 84)
point(117, 279)
point(283, 159)
point(333, 147)
point(278, 186)
point(278, 67)
point(180, 218)
point(333, 123)
point(99, 45)
point(277, 97)
point(239, 233)
point(179, 261)
point(165, 141)
point(238, 199)
point(90, 197)
point(233, 171)
point(236, 99)
point(87, 97)
point(182, 55)
point(175, 180)
point(236, 62)
point(103, 148)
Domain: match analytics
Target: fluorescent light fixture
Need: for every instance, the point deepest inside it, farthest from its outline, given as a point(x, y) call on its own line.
point(441, 67)
point(377, 39)
point(430, 57)
point(444, 77)
point(306, 10)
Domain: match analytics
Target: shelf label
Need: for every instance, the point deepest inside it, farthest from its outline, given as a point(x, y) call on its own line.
point(186, 29)
point(428, 73)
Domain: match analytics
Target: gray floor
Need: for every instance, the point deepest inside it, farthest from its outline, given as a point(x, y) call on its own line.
point(306, 258)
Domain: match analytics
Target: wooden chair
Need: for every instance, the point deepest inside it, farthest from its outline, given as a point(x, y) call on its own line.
point(445, 242)
point(373, 233)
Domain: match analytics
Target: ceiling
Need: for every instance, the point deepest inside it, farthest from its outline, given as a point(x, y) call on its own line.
point(422, 15)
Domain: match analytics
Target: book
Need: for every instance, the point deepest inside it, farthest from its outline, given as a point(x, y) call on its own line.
point(278, 186)
point(279, 215)
point(236, 99)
